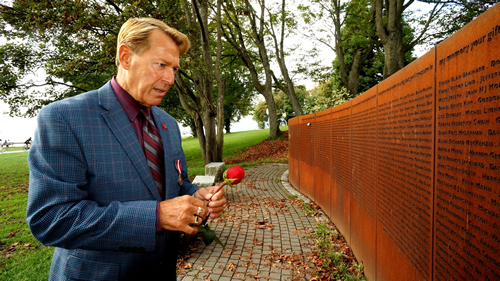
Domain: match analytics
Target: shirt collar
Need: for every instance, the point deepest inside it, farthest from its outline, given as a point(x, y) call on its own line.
point(129, 104)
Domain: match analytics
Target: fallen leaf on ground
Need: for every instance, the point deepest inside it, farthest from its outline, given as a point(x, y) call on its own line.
point(13, 233)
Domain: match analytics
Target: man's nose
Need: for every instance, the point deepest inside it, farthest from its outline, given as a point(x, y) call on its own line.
point(169, 76)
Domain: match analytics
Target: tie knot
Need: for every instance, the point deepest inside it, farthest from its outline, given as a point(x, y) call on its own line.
point(147, 116)
point(145, 113)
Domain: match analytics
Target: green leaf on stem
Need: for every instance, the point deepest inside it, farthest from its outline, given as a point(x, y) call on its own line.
point(208, 235)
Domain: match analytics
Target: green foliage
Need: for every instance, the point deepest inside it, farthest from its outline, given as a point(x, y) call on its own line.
point(284, 108)
point(72, 42)
point(310, 211)
point(260, 114)
point(334, 261)
point(302, 95)
point(239, 92)
point(325, 96)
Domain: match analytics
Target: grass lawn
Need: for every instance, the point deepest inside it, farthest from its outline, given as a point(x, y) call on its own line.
point(24, 258)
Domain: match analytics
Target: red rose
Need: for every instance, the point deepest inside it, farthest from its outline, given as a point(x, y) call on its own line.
point(235, 173)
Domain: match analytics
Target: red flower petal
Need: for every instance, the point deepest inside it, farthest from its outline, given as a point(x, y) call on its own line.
point(237, 173)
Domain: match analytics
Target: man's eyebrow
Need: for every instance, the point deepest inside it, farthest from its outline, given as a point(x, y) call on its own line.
point(175, 65)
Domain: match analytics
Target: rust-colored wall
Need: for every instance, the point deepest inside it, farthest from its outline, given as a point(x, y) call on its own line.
point(364, 177)
point(467, 166)
point(340, 202)
point(405, 133)
point(410, 170)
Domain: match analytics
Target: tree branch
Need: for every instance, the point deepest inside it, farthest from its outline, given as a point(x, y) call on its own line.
point(432, 14)
point(110, 2)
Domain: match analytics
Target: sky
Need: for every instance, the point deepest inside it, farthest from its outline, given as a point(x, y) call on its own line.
point(15, 129)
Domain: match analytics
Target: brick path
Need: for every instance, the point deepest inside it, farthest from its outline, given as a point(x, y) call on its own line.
point(265, 234)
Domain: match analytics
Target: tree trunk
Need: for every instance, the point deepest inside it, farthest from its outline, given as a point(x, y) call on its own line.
point(390, 34)
point(227, 125)
point(274, 128)
point(192, 126)
point(202, 77)
point(221, 82)
point(353, 83)
point(184, 92)
point(348, 75)
point(267, 91)
point(235, 37)
point(280, 57)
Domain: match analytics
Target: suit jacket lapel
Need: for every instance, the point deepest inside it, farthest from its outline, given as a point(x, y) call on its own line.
point(120, 126)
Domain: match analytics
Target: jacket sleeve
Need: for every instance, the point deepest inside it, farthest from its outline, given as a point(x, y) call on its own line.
point(59, 211)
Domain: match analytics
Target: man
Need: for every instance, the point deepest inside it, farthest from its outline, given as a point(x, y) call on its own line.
point(111, 201)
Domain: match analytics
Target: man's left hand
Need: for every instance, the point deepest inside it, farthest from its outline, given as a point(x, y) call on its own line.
point(215, 203)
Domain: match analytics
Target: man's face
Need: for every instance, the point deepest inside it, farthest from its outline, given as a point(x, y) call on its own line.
point(151, 73)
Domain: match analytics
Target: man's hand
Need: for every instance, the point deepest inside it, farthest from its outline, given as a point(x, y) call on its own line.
point(181, 214)
point(214, 202)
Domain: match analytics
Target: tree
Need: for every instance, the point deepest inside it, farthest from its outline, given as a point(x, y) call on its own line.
point(238, 96)
point(389, 15)
point(171, 104)
point(233, 33)
point(347, 29)
point(287, 109)
point(325, 96)
point(462, 11)
point(261, 110)
point(75, 42)
point(196, 84)
point(260, 114)
point(285, 20)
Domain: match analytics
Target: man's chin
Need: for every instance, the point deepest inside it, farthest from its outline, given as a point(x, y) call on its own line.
point(151, 103)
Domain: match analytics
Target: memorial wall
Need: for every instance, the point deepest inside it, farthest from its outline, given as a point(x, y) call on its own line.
point(410, 170)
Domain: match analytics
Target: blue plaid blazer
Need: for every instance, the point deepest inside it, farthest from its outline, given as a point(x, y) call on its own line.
point(92, 195)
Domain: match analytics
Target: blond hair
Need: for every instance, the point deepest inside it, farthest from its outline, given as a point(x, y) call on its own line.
point(135, 33)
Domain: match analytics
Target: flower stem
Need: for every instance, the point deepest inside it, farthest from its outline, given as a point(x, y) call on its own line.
point(217, 190)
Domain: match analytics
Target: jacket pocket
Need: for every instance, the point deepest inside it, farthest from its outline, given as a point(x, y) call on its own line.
point(81, 269)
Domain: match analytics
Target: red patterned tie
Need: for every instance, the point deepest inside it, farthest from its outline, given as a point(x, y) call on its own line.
point(153, 148)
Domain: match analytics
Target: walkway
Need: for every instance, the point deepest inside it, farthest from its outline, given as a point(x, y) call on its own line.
point(264, 230)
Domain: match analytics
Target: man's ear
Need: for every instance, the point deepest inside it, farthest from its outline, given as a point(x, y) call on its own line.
point(125, 56)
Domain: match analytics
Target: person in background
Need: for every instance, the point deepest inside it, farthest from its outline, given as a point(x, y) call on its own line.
point(109, 187)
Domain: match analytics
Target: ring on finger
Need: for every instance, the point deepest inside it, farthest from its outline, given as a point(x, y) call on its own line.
point(196, 219)
point(199, 211)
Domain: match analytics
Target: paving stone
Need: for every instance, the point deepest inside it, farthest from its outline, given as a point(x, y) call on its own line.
point(214, 277)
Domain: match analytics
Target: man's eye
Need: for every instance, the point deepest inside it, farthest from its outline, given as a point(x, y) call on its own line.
point(175, 69)
point(162, 65)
